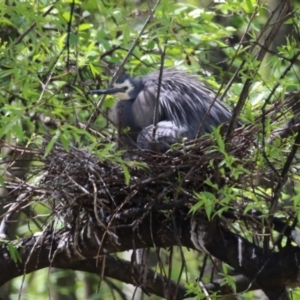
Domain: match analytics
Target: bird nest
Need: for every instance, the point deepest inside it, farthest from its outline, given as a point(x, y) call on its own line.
point(120, 188)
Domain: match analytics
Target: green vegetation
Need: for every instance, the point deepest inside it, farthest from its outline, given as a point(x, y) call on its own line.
point(53, 53)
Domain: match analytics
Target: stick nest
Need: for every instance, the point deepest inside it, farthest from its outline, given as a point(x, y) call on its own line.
point(79, 187)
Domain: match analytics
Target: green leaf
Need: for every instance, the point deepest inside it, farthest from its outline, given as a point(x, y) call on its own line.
point(220, 140)
point(73, 39)
point(206, 200)
point(2, 183)
point(65, 141)
point(52, 142)
point(14, 253)
point(249, 6)
point(85, 26)
point(126, 35)
point(18, 130)
point(67, 16)
point(126, 173)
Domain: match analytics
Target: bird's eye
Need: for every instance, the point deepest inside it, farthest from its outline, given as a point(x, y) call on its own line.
point(125, 88)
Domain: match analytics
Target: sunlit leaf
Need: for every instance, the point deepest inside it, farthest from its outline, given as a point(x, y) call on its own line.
point(84, 26)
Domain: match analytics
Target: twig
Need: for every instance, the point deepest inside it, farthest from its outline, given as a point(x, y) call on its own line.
point(95, 115)
point(156, 108)
point(283, 8)
point(21, 37)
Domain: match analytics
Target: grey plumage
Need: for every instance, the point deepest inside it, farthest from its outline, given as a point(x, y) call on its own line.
point(184, 104)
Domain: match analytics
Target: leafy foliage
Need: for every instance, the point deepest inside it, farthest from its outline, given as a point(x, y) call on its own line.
point(53, 53)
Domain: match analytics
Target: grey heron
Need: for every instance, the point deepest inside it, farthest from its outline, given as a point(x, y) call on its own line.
point(184, 106)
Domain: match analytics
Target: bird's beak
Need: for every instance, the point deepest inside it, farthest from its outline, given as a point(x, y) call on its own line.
point(106, 91)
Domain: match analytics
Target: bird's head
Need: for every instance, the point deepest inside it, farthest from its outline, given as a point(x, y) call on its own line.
point(125, 88)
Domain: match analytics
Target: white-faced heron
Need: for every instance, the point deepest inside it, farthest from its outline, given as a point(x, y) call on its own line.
point(184, 106)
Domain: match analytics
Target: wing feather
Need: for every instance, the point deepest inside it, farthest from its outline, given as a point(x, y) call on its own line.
point(186, 101)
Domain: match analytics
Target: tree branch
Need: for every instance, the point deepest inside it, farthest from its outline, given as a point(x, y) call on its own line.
point(64, 247)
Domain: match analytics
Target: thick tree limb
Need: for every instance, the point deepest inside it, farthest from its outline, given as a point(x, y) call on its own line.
point(124, 271)
point(267, 270)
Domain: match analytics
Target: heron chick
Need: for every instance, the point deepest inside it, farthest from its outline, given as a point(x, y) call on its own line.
point(184, 106)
